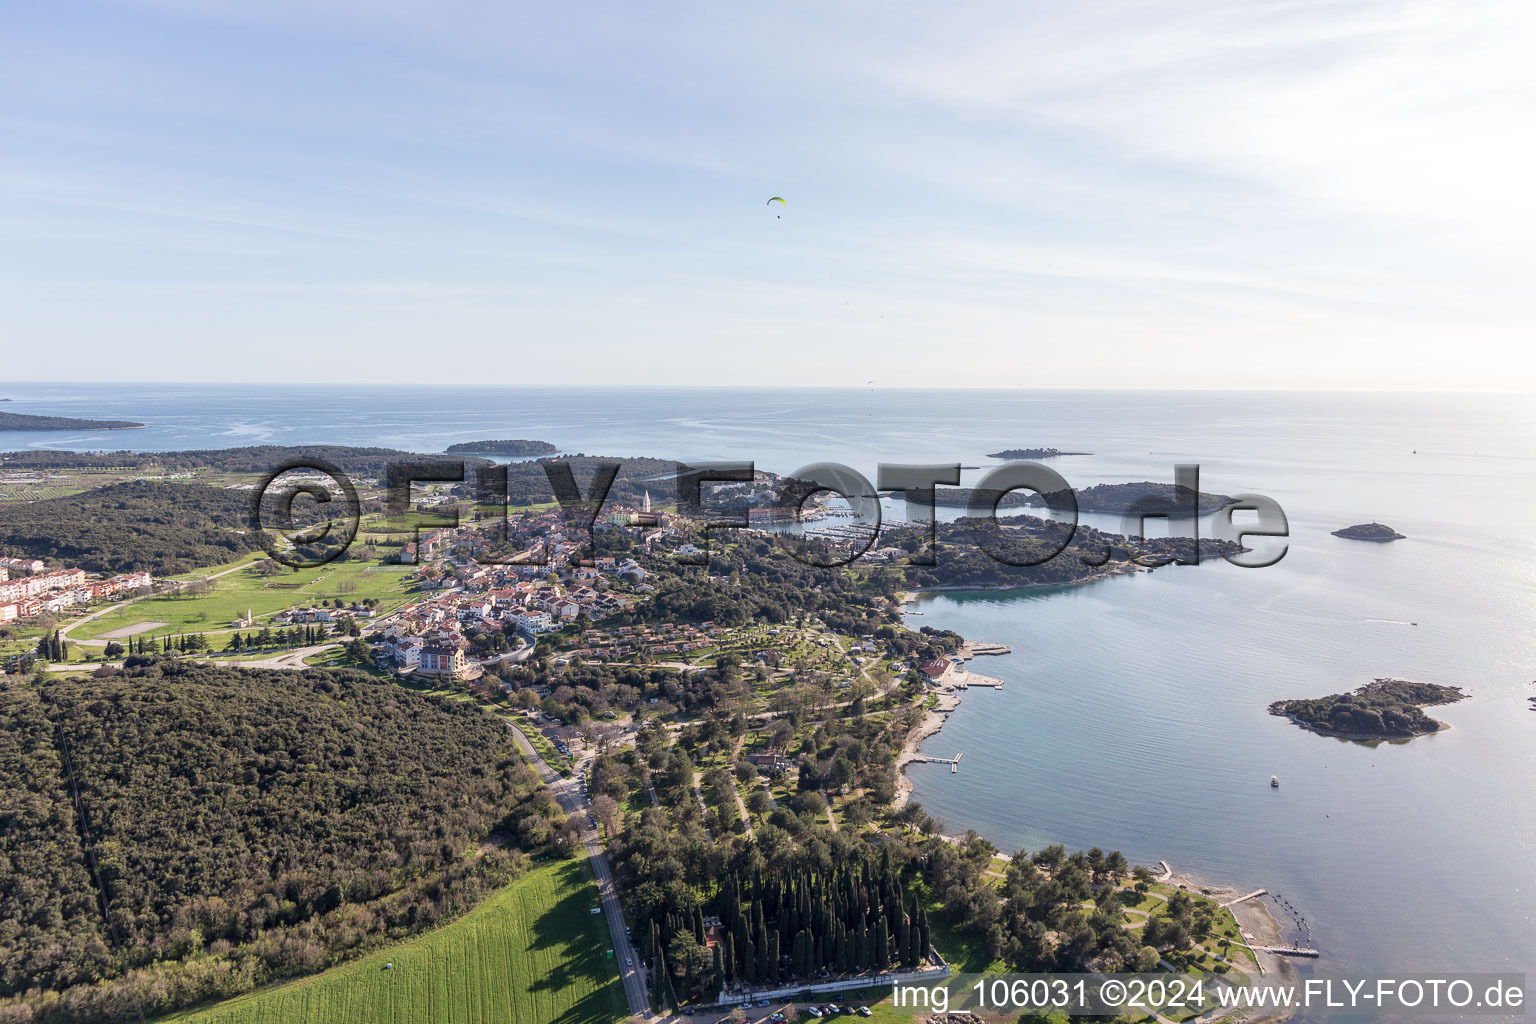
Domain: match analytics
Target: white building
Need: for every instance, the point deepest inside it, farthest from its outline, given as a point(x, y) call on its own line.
point(533, 623)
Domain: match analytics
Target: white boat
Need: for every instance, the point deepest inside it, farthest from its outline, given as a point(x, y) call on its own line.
point(1274, 781)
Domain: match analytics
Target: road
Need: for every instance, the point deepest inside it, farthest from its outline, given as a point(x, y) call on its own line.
point(568, 793)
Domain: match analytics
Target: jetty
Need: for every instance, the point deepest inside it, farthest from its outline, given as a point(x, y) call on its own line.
point(953, 762)
point(960, 679)
point(1253, 895)
point(976, 648)
point(1288, 951)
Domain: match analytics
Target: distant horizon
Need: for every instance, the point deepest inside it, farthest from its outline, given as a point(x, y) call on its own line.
point(419, 385)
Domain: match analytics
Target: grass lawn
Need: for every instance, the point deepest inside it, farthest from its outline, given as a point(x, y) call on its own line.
point(532, 953)
point(231, 595)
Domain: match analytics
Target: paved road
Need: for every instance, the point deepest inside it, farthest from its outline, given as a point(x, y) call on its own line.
point(568, 793)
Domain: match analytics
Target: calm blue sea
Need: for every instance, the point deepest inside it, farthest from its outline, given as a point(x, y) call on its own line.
point(1134, 712)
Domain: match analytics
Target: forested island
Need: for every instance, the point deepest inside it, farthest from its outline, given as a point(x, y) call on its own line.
point(1370, 531)
point(20, 421)
point(513, 447)
point(1145, 496)
point(1384, 709)
point(247, 826)
point(1032, 453)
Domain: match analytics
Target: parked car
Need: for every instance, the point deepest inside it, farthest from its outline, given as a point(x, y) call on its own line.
point(865, 1011)
point(813, 1011)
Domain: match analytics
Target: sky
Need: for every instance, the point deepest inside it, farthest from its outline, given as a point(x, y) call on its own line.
point(1082, 195)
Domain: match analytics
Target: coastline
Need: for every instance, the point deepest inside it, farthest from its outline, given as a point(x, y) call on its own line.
point(1255, 922)
point(933, 721)
point(909, 594)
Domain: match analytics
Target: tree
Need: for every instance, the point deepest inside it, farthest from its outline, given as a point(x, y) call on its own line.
point(689, 960)
point(112, 650)
point(606, 808)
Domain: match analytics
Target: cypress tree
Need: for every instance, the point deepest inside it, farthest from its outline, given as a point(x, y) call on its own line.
point(773, 957)
point(761, 945)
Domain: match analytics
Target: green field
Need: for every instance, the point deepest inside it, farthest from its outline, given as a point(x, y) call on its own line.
point(531, 955)
point(263, 595)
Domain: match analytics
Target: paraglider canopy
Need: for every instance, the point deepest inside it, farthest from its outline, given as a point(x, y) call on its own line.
point(776, 199)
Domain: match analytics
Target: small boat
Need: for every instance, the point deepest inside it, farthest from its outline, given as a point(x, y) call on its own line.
point(1274, 781)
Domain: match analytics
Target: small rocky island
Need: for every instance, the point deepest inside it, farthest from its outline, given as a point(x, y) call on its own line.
point(21, 421)
point(1384, 709)
point(1032, 453)
point(1369, 531)
point(514, 447)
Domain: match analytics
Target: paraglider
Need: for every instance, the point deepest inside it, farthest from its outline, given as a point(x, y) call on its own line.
point(776, 199)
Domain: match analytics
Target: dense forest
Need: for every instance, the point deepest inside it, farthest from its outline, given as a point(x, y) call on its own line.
point(787, 924)
point(1145, 497)
point(20, 421)
point(512, 447)
point(243, 826)
point(989, 553)
point(1383, 709)
point(163, 527)
point(370, 462)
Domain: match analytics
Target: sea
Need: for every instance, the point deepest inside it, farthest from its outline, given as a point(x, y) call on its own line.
point(1134, 715)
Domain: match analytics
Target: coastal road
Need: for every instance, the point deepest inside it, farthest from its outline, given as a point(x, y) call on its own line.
point(568, 793)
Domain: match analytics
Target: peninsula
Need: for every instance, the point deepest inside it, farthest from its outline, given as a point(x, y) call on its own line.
point(1145, 497)
point(1385, 709)
point(514, 447)
point(21, 421)
point(1032, 453)
point(1370, 531)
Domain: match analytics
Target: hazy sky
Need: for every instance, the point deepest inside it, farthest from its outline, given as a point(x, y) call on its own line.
point(1120, 194)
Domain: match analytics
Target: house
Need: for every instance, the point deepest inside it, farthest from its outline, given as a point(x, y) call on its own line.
point(7, 612)
point(443, 661)
point(935, 668)
point(771, 761)
point(408, 651)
